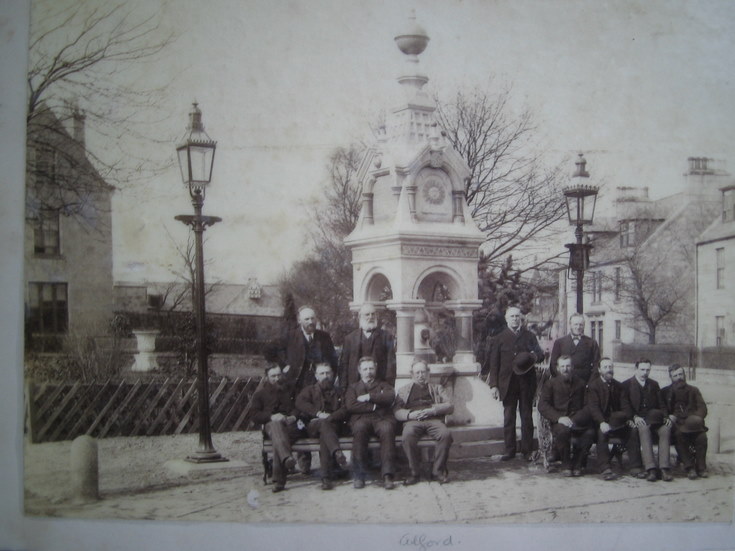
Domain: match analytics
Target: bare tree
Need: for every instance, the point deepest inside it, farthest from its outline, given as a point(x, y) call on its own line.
point(78, 53)
point(513, 197)
point(324, 279)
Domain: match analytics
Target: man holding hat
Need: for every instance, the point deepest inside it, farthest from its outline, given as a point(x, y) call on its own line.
point(562, 402)
point(687, 411)
point(645, 411)
point(512, 378)
point(603, 404)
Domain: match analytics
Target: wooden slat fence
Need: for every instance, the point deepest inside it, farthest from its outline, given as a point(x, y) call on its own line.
point(122, 408)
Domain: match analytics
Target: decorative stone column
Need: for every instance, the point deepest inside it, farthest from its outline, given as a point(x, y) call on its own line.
point(405, 312)
point(464, 358)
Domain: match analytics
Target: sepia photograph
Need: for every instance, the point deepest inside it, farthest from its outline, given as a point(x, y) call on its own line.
point(445, 270)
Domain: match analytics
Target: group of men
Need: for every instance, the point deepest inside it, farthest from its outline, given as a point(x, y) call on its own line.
point(584, 404)
point(312, 392)
point(300, 397)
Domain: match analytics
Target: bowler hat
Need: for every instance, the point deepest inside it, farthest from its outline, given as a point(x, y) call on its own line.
point(523, 363)
point(617, 420)
point(655, 417)
point(693, 423)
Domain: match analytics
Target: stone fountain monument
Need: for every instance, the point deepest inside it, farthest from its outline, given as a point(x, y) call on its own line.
point(416, 238)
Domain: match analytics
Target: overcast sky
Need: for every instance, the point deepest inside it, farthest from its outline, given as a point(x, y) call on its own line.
point(637, 86)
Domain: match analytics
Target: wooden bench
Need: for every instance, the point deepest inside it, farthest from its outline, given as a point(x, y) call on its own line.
point(426, 445)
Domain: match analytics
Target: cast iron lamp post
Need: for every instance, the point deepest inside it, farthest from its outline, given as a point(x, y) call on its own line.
point(196, 159)
point(581, 197)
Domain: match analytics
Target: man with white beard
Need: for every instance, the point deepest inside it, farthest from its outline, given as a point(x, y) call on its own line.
point(368, 340)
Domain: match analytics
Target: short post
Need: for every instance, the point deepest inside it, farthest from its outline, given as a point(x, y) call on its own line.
point(84, 469)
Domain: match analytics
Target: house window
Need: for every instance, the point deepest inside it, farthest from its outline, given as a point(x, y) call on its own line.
point(627, 234)
point(720, 263)
point(599, 335)
point(618, 283)
point(720, 330)
point(618, 330)
point(46, 233)
point(48, 312)
point(596, 287)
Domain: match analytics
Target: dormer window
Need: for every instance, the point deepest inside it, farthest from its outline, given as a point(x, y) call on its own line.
point(254, 289)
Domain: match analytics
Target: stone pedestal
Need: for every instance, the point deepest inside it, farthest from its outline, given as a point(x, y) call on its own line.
point(84, 469)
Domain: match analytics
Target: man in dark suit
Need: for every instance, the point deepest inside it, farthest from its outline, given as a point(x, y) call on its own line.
point(273, 407)
point(303, 348)
point(687, 411)
point(367, 340)
point(583, 350)
point(562, 402)
point(370, 404)
point(512, 378)
point(603, 403)
point(322, 407)
point(646, 414)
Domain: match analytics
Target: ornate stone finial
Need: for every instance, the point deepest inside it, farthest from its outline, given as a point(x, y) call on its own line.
point(581, 171)
point(413, 40)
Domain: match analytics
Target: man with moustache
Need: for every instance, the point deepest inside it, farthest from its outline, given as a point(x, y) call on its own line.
point(584, 351)
point(304, 347)
point(512, 378)
point(646, 414)
point(603, 403)
point(322, 407)
point(687, 411)
point(273, 407)
point(421, 406)
point(370, 404)
point(367, 340)
point(562, 403)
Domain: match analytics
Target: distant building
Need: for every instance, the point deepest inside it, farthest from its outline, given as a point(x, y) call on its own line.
point(68, 233)
point(715, 290)
point(640, 286)
point(250, 311)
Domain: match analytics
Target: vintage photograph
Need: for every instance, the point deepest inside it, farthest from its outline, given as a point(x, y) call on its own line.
point(396, 263)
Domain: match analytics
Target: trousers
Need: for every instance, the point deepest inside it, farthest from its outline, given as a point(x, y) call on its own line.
point(521, 390)
point(282, 434)
point(326, 431)
point(436, 429)
point(384, 429)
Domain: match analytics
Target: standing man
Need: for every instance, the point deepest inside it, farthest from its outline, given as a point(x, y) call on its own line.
point(646, 414)
point(304, 347)
point(273, 407)
point(421, 406)
point(687, 411)
point(603, 403)
point(370, 404)
point(322, 406)
point(562, 403)
point(584, 351)
point(367, 340)
point(512, 378)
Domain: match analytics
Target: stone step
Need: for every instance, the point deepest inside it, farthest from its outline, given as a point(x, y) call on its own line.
point(483, 448)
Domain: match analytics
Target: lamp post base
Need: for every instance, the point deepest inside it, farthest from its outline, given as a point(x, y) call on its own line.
point(205, 457)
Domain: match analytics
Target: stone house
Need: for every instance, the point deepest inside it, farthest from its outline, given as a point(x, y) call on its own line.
point(68, 233)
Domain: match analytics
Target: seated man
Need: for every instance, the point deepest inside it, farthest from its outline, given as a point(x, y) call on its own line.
point(602, 402)
point(369, 403)
point(273, 407)
point(641, 402)
point(562, 402)
point(687, 411)
point(320, 404)
point(422, 406)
